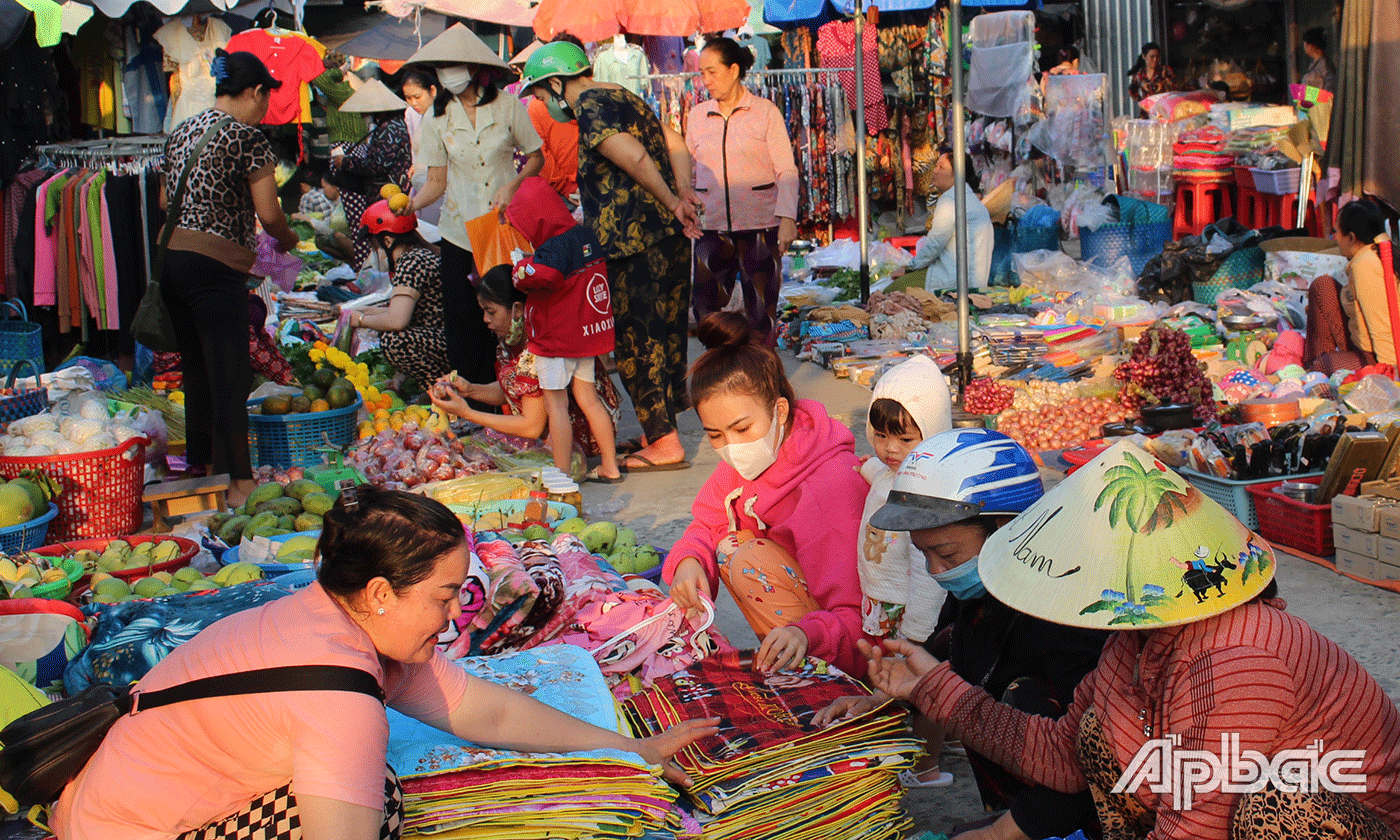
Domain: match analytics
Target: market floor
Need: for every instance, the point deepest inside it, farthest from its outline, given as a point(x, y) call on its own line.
point(1363, 619)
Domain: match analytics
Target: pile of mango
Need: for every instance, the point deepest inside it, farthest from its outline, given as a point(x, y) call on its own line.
point(273, 510)
point(428, 418)
point(120, 555)
point(616, 545)
point(21, 573)
point(113, 590)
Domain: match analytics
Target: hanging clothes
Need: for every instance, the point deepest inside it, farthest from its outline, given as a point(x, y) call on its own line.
point(290, 59)
point(145, 95)
point(624, 65)
point(836, 46)
point(189, 57)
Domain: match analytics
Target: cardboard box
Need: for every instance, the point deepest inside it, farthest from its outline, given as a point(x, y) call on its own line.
point(1355, 564)
point(1356, 542)
point(1360, 513)
point(1358, 458)
point(1388, 552)
point(1388, 521)
point(1385, 571)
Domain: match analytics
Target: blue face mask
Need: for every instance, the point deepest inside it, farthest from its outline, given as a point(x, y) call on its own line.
point(963, 582)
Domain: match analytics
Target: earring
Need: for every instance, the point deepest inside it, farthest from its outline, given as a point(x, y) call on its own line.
point(381, 610)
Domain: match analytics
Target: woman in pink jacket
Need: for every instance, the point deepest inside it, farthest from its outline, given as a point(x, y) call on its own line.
point(779, 519)
point(746, 180)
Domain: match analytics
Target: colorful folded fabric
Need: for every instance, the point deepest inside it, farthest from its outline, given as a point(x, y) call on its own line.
point(456, 789)
point(769, 773)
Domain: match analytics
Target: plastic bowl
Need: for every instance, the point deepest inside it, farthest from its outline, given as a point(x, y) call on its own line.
point(188, 549)
point(59, 589)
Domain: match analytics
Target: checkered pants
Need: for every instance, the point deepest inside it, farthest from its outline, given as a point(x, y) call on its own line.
point(274, 816)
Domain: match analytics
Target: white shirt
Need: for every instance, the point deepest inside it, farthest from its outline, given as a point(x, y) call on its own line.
point(193, 57)
point(938, 251)
point(479, 158)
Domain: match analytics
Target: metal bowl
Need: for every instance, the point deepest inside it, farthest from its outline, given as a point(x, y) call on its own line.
point(1244, 323)
point(1298, 491)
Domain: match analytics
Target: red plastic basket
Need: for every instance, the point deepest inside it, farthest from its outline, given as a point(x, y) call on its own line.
point(101, 490)
point(188, 550)
point(1291, 523)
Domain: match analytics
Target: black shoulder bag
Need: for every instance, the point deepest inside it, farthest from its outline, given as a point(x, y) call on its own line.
point(43, 751)
point(152, 325)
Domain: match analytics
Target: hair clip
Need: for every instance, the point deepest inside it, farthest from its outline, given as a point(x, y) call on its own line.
point(349, 496)
point(218, 68)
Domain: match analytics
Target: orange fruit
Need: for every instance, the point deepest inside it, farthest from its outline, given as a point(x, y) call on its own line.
point(398, 201)
point(389, 191)
point(320, 405)
point(380, 425)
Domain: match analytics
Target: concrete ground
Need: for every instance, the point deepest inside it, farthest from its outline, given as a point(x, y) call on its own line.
point(1363, 619)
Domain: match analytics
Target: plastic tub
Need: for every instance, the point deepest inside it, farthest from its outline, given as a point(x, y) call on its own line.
point(1291, 523)
point(1277, 181)
point(59, 589)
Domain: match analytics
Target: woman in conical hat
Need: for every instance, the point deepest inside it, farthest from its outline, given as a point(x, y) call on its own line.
point(1209, 682)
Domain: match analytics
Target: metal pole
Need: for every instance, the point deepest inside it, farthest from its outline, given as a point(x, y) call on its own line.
point(862, 195)
point(955, 55)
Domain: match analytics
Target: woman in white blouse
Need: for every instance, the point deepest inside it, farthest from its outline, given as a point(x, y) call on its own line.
point(468, 143)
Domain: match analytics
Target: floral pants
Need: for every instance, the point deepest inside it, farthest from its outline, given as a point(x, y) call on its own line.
point(651, 303)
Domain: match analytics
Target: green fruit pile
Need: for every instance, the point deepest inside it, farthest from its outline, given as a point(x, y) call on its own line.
point(273, 510)
point(113, 590)
point(326, 391)
point(26, 498)
point(616, 545)
point(120, 555)
point(22, 572)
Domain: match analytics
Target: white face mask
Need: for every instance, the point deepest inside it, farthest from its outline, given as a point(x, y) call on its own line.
point(455, 77)
point(752, 459)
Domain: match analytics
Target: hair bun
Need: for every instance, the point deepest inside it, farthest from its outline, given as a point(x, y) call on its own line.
point(725, 331)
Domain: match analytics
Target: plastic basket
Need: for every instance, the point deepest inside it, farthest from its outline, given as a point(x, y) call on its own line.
point(101, 491)
point(188, 550)
point(1038, 238)
point(1240, 270)
point(290, 440)
point(20, 339)
point(1291, 523)
point(1244, 178)
point(1277, 181)
point(25, 403)
point(59, 589)
point(27, 535)
point(1234, 495)
point(271, 570)
point(1139, 242)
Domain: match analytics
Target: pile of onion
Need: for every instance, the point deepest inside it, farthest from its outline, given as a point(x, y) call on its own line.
point(1061, 425)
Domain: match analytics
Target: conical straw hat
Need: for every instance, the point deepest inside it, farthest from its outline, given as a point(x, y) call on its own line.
point(457, 45)
point(1115, 545)
point(519, 59)
point(371, 98)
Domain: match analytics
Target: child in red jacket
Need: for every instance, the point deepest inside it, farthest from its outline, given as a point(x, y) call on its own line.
point(568, 318)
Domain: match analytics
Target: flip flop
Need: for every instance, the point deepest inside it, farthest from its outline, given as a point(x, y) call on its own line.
point(650, 466)
point(627, 447)
point(910, 780)
point(594, 478)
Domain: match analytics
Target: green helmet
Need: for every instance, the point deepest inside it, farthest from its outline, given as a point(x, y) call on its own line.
point(557, 58)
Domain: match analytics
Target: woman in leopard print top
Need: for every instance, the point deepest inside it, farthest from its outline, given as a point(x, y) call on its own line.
point(210, 253)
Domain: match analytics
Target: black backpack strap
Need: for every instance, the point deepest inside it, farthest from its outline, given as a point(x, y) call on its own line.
point(263, 681)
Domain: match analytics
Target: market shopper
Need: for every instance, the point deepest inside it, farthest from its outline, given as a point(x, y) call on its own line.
point(516, 385)
point(1322, 73)
point(410, 326)
point(1149, 76)
point(938, 249)
point(211, 251)
point(634, 181)
point(778, 522)
point(361, 169)
point(746, 178)
point(468, 144)
point(1199, 690)
point(1350, 324)
point(312, 764)
point(1023, 661)
point(418, 85)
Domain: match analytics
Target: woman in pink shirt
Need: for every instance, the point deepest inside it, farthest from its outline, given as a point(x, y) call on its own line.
point(779, 519)
point(392, 566)
point(747, 183)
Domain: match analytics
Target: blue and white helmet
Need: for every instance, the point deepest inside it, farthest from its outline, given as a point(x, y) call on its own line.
point(957, 475)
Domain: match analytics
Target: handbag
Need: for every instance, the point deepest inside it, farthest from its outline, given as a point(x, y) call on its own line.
point(46, 749)
point(152, 324)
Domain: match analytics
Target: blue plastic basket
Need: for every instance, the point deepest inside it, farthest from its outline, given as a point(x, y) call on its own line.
point(27, 535)
point(1138, 242)
point(230, 556)
point(1038, 238)
point(290, 440)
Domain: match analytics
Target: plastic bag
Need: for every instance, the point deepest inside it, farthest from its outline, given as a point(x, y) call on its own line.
point(1374, 393)
point(493, 238)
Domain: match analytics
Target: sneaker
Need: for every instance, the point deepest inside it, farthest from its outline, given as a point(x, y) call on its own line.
point(912, 781)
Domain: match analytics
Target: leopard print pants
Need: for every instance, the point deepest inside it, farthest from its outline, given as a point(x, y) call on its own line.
point(1264, 815)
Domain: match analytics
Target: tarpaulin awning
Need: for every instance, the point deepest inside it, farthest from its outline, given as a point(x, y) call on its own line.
point(597, 20)
point(383, 36)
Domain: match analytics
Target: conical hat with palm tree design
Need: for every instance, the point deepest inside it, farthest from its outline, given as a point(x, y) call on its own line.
point(1118, 545)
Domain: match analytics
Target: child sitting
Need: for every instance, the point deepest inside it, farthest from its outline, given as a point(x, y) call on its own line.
point(568, 318)
point(899, 599)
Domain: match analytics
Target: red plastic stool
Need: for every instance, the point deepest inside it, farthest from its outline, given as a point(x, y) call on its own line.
point(1199, 203)
point(1282, 210)
point(1249, 206)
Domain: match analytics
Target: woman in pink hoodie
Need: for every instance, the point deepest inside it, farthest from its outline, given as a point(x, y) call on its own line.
point(779, 520)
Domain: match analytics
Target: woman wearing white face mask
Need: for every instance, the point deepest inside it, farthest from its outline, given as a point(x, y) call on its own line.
point(779, 520)
point(468, 142)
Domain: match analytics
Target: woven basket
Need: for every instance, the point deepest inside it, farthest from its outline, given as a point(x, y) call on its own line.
point(1240, 270)
point(20, 339)
point(25, 403)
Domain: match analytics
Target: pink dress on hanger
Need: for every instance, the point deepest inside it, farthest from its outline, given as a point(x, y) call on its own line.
point(836, 46)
